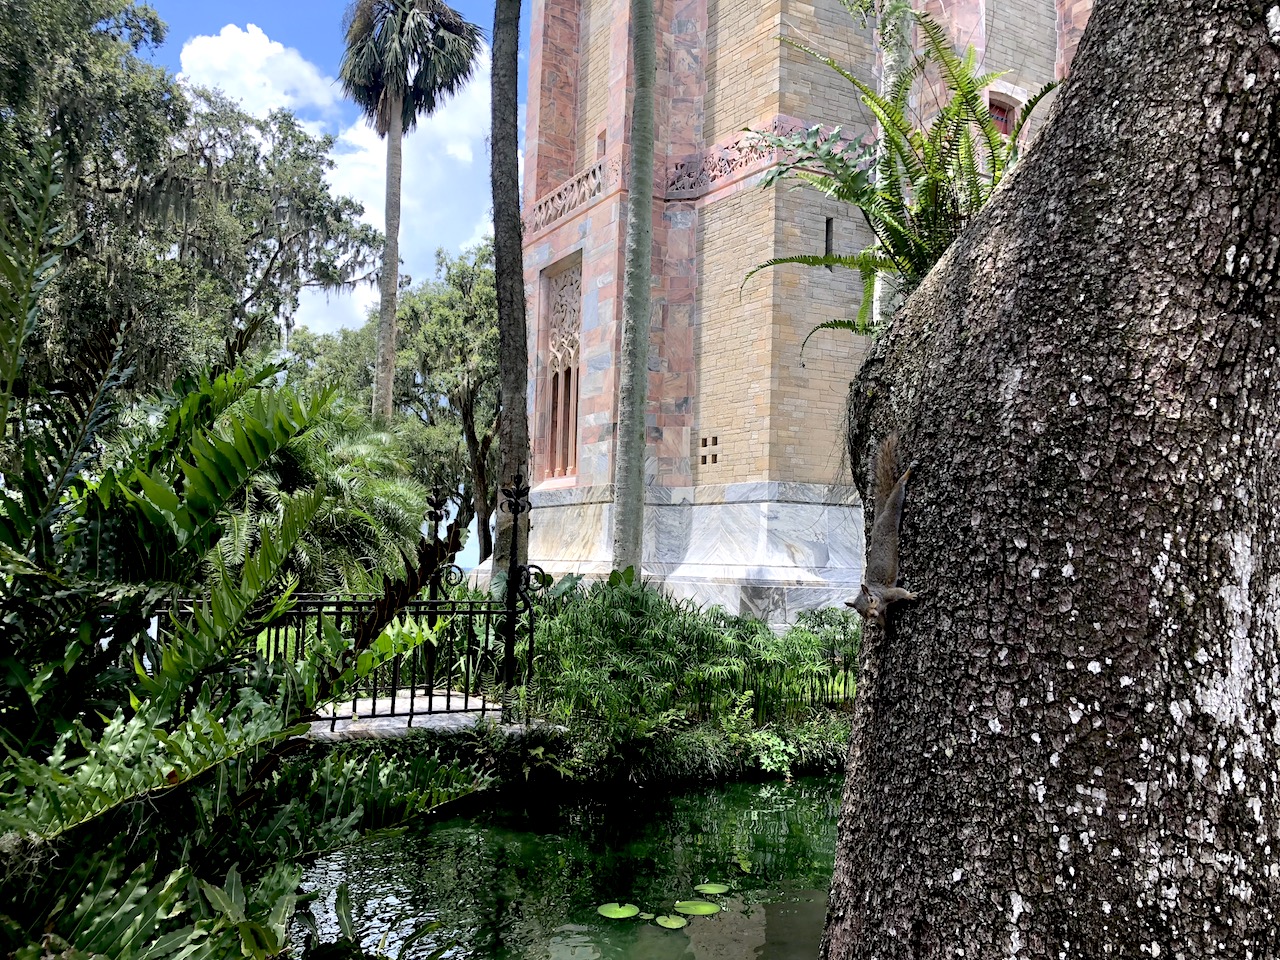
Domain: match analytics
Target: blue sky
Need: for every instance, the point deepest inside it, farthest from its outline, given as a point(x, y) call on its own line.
point(285, 53)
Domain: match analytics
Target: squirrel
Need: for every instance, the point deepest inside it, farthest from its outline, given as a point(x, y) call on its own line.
point(880, 578)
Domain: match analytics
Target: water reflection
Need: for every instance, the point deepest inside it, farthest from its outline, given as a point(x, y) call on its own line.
point(523, 881)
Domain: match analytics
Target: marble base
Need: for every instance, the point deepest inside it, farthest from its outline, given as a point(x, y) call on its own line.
point(769, 549)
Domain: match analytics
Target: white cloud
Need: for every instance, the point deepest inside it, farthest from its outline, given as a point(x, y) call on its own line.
point(444, 192)
point(445, 195)
point(261, 73)
point(482, 231)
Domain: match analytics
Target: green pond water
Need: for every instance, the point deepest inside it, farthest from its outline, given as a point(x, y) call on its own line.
point(524, 880)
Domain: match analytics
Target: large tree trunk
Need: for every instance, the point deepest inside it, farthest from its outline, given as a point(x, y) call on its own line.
point(513, 346)
point(1068, 746)
point(384, 375)
point(633, 374)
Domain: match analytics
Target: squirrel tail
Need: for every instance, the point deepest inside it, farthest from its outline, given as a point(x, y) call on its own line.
point(886, 468)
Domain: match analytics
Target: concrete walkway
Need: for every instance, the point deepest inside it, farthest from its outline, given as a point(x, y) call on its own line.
point(397, 721)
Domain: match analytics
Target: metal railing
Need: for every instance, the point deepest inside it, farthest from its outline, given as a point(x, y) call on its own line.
point(456, 649)
point(446, 652)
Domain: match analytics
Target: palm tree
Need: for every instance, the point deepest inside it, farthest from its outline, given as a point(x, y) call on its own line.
point(403, 57)
point(628, 508)
point(513, 351)
point(370, 516)
point(895, 26)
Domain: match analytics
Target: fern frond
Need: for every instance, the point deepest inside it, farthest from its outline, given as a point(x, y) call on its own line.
point(217, 625)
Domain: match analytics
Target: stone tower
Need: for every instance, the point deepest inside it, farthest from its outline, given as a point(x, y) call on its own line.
point(748, 503)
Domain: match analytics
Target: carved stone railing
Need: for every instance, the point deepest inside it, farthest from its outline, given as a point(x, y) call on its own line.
point(727, 160)
point(690, 177)
point(574, 194)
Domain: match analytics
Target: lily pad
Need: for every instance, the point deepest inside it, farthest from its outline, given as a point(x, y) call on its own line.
point(697, 908)
point(617, 911)
point(672, 923)
point(646, 916)
point(712, 888)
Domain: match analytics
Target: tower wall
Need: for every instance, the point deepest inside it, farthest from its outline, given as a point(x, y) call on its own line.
point(1072, 17)
point(742, 70)
point(595, 61)
point(550, 131)
point(761, 517)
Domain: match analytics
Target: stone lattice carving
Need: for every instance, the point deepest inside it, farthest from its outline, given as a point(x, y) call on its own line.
point(701, 172)
point(575, 193)
point(564, 319)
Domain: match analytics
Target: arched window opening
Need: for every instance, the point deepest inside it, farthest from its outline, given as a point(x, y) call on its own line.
point(560, 400)
point(569, 432)
point(557, 440)
point(1004, 112)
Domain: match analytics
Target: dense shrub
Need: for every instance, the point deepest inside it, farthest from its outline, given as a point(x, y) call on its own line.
point(650, 687)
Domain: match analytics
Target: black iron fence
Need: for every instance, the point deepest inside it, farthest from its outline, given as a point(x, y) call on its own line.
point(442, 654)
point(446, 651)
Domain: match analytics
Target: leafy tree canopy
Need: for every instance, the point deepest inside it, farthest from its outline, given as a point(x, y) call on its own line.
point(197, 224)
point(447, 368)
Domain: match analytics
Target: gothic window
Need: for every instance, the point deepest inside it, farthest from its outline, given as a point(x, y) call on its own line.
point(1004, 113)
point(564, 303)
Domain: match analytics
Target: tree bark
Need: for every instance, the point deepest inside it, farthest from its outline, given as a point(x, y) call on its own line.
point(384, 378)
point(896, 32)
point(1067, 748)
point(478, 455)
point(628, 482)
point(513, 344)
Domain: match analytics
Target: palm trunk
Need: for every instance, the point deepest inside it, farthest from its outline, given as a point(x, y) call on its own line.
point(1067, 747)
point(896, 29)
point(384, 377)
point(628, 503)
point(513, 346)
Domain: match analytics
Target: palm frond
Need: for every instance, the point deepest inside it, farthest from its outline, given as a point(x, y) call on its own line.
point(407, 55)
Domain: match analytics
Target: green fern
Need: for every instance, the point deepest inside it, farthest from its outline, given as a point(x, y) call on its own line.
point(916, 188)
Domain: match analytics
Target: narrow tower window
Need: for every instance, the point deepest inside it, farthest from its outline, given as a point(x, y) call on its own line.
point(559, 390)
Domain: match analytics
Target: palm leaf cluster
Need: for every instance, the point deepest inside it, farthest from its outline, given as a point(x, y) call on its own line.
point(144, 744)
point(406, 56)
point(371, 514)
point(917, 187)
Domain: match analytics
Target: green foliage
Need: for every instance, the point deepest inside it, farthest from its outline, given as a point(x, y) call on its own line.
point(917, 188)
point(370, 515)
point(447, 377)
point(148, 803)
point(73, 69)
point(196, 225)
point(447, 367)
point(31, 239)
point(650, 686)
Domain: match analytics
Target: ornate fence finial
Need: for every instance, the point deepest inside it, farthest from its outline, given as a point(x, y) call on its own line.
point(516, 497)
point(436, 503)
